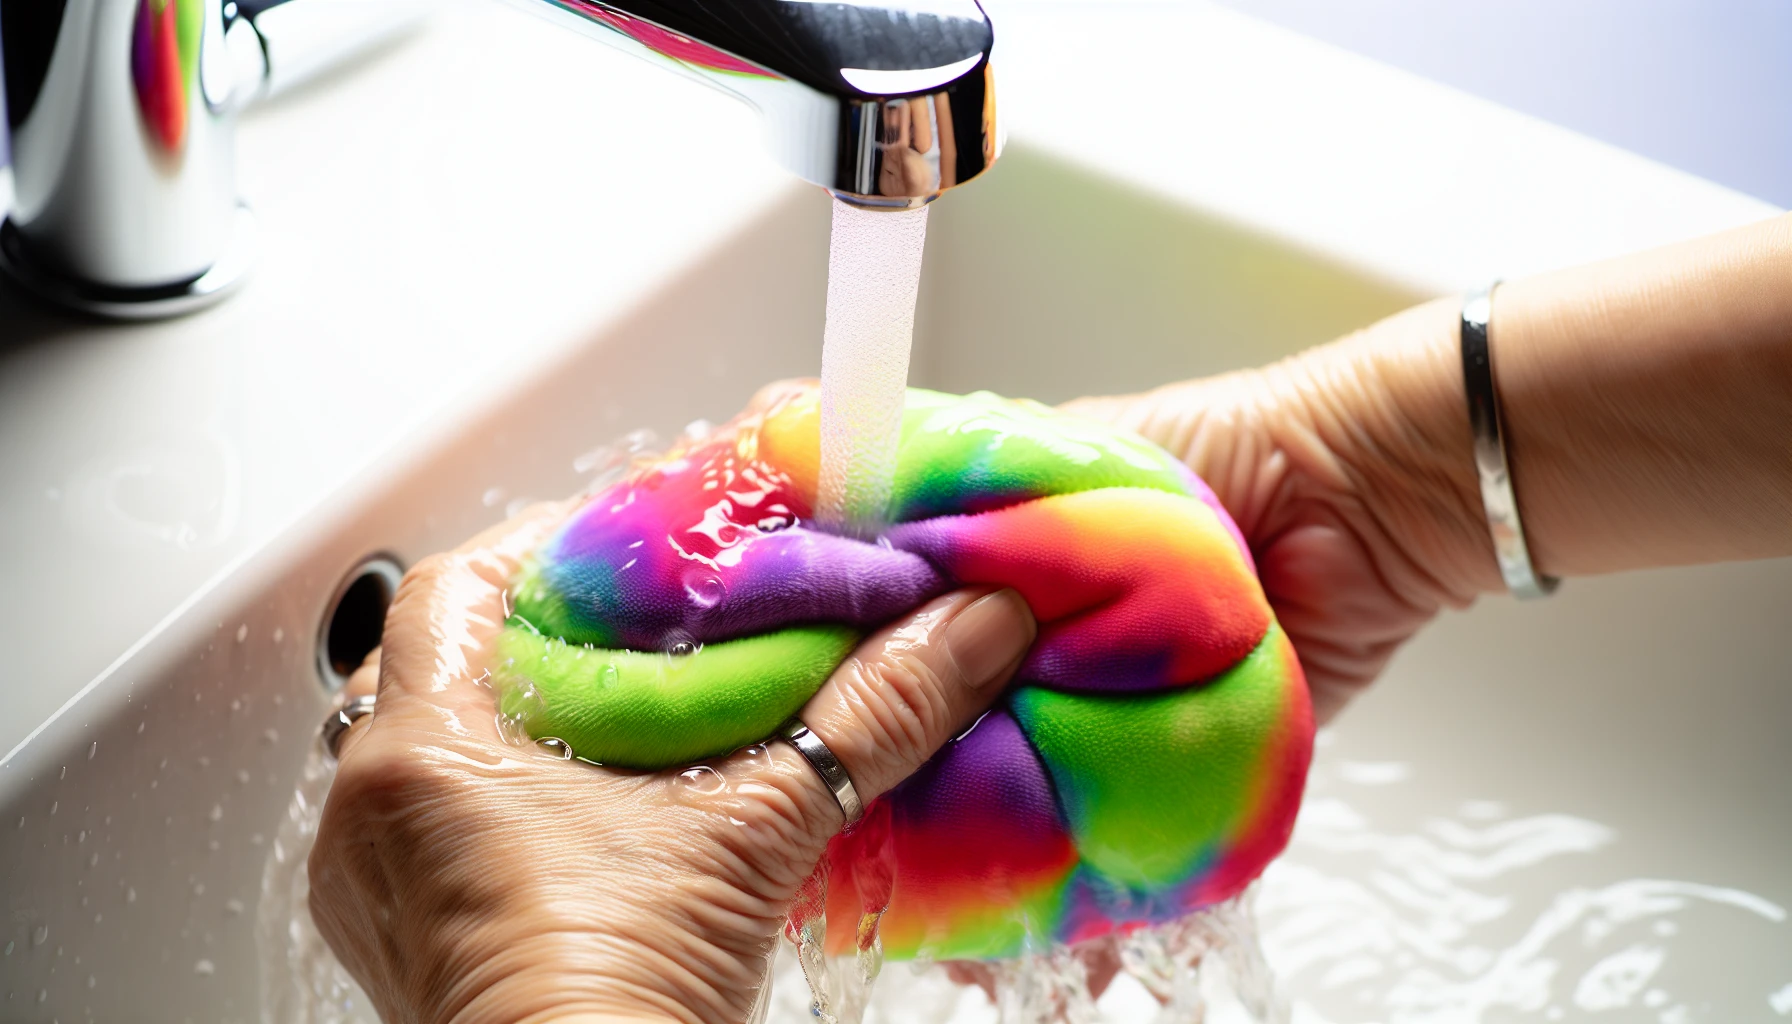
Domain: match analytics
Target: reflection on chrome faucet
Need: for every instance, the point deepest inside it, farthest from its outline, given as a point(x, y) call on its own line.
point(920, 152)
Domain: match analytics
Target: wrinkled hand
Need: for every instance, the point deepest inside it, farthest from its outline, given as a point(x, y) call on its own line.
point(1349, 470)
point(462, 878)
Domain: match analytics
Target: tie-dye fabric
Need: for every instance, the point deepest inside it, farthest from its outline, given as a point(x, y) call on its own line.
point(1147, 761)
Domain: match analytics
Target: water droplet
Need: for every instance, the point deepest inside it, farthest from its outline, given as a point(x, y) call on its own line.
point(682, 648)
point(242, 633)
point(53, 805)
point(43, 995)
point(491, 497)
point(279, 634)
point(64, 773)
point(92, 981)
point(199, 888)
point(130, 895)
point(270, 735)
point(8, 948)
point(217, 812)
point(705, 590)
point(242, 776)
point(233, 906)
point(92, 749)
point(205, 967)
point(40, 935)
point(701, 780)
point(93, 861)
point(140, 726)
point(556, 747)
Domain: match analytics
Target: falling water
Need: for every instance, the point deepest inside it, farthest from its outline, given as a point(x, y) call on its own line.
point(874, 271)
point(302, 982)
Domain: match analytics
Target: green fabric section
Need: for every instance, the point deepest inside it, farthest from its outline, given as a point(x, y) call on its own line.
point(189, 23)
point(649, 710)
point(540, 603)
point(983, 451)
point(1150, 782)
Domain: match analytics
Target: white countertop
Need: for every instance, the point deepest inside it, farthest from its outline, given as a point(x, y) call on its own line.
point(459, 207)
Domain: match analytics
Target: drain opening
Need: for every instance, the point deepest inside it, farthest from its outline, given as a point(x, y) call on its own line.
point(357, 615)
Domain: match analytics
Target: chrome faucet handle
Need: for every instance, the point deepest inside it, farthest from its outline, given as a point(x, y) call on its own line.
point(123, 117)
point(885, 103)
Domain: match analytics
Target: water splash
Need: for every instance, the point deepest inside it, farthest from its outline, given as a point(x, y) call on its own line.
point(874, 273)
point(1207, 967)
point(302, 982)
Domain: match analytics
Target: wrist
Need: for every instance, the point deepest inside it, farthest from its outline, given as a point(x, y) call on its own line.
point(1388, 403)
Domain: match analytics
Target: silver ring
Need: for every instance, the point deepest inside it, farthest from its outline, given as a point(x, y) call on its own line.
point(348, 714)
point(1497, 497)
point(827, 766)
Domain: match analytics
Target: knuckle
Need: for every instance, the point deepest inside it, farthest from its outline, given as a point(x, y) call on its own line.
point(377, 782)
point(900, 700)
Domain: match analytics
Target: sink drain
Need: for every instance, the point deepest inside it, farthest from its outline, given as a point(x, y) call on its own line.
point(356, 616)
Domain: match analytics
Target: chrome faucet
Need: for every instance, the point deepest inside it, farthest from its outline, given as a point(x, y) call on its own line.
point(122, 116)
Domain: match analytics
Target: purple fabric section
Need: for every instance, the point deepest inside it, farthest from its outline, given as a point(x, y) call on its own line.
point(656, 597)
point(988, 784)
point(1064, 660)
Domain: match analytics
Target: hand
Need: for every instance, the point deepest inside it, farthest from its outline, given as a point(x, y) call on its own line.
point(462, 878)
point(1349, 470)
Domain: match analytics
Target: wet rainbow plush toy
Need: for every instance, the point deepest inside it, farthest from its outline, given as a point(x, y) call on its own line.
point(1146, 762)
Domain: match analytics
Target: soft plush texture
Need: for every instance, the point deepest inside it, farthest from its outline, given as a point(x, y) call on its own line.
point(1147, 761)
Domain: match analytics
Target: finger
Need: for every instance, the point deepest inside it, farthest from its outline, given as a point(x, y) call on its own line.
point(1106, 408)
point(920, 114)
point(911, 687)
point(441, 625)
point(363, 682)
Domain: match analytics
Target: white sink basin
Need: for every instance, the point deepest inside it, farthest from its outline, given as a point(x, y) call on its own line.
point(136, 819)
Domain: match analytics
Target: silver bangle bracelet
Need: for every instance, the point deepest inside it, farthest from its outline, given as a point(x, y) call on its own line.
point(1497, 498)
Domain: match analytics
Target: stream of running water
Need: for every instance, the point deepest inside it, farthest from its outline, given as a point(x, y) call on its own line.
point(874, 273)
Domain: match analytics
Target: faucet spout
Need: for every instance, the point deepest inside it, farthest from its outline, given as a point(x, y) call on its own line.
point(884, 103)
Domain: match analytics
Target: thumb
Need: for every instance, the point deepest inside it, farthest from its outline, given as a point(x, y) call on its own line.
point(917, 683)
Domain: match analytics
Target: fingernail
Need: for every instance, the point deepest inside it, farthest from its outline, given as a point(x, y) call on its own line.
point(989, 636)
